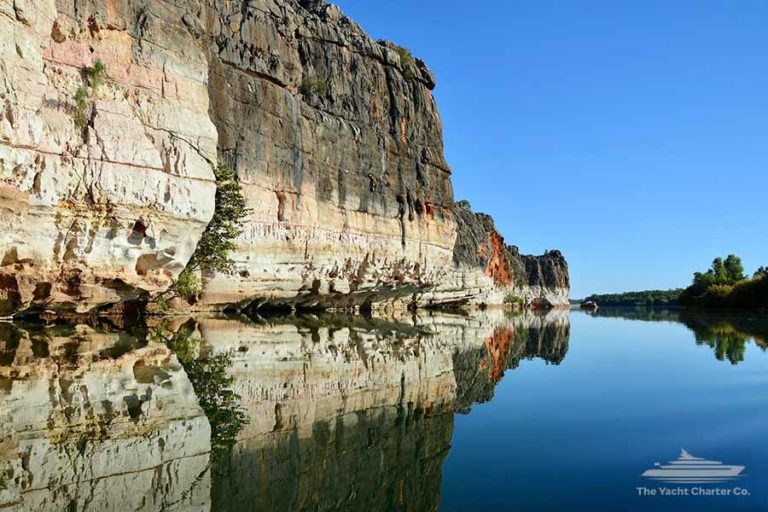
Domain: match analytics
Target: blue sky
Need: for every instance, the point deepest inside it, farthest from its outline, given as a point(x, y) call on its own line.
point(633, 136)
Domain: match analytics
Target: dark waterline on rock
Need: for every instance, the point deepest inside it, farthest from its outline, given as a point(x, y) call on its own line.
point(489, 411)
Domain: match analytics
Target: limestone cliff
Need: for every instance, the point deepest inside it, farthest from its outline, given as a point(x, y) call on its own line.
point(336, 139)
point(104, 191)
point(487, 270)
point(338, 143)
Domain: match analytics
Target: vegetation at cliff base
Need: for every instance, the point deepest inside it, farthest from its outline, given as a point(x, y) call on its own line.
point(514, 300)
point(662, 298)
point(188, 285)
point(213, 252)
point(724, 285)
point(216, 244)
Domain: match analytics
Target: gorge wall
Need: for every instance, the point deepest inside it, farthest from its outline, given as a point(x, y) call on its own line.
point(487, 270)
point(336, 139)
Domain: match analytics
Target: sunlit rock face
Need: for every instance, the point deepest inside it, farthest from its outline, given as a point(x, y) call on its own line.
point(336, 139)
point(111, 209)
point(348, 413)
point(487, 270)
point(338, 143)
point(97, 420)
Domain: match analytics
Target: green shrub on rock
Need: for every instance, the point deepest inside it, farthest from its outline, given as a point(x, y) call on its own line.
point(83, 103)
point(96, 73)
point(316, 86)
point(514, 300)
point(188, 285)
point(406, 61)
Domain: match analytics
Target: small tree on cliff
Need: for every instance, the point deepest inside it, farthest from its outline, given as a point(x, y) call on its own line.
point(217, 242)
point(213, 250)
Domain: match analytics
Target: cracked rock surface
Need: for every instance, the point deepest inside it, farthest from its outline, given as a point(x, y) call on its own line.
point(112, 208)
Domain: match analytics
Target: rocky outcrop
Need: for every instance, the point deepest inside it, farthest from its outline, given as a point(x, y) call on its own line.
point(488, 271)
point(97, 420)
point(106, 182)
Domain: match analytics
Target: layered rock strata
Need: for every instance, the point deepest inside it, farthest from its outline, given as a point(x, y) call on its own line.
point(338, 143)
point(105, 176)
point(488, 271)
point(106, 182)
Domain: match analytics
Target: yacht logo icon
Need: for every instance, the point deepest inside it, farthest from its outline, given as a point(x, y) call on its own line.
point(688, 469)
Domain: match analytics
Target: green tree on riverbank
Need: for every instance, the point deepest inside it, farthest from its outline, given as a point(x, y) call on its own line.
point(724, 285)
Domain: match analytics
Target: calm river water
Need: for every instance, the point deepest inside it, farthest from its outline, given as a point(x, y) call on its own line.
point(490, 411)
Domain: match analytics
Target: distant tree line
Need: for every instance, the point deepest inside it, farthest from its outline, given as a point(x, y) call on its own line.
point(724, 285)
point(661, 298)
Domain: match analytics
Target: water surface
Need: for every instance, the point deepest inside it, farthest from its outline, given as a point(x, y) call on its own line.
point(489, 411)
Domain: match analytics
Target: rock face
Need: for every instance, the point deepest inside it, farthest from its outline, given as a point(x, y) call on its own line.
point(336, 139)
point(95, 420)
point(109, 208)
point(489, 271)
point(338, 144)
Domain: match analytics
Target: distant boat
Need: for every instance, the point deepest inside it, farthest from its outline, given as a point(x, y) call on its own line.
point(590, 305)
point(688, 469)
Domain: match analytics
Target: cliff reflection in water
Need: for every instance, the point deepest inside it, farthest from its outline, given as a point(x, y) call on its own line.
point(97, 419)
point(726, 333)
point(358, 415)
point(314, 413)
